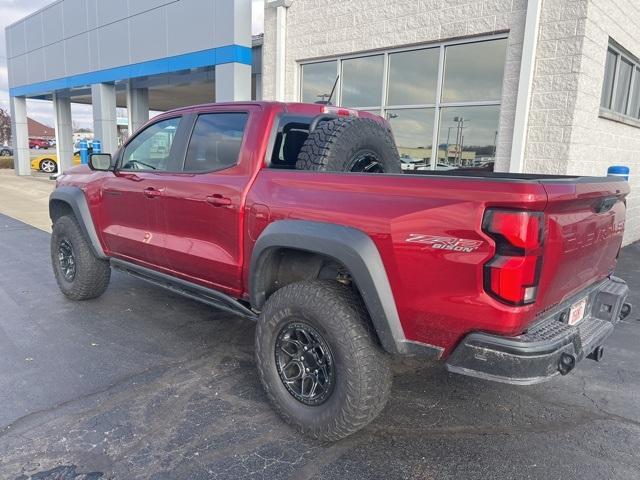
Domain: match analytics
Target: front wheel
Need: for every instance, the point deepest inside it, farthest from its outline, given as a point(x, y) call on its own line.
point(79, 273)
point(320, 366)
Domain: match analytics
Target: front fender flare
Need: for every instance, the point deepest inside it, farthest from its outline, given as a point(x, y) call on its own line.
point(76, 200)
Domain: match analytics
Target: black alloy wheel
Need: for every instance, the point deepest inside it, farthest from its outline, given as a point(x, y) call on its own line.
point(67, 260)
point(304, 363)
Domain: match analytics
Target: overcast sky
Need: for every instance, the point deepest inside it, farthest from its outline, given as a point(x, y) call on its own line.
point(13, 10)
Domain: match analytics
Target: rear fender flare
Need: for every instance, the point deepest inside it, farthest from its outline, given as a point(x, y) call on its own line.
point(356, 251)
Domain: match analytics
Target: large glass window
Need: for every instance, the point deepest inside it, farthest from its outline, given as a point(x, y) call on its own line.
point(362, 81)
point(421, 91)
point(474, 71)
point(151, 148)
point(634, 105)
point(215, 142)
point(467, 137)
point(621, 82)
point(413, 132)
point(622, 88)
point(609, 74)
point(318, 80)
point(413, 77)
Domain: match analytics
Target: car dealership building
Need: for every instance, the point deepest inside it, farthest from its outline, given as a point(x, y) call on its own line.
point(547, 86)
point(143, 55)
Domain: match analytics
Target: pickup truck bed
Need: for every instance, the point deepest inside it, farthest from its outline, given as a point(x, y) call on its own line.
point(503, 276)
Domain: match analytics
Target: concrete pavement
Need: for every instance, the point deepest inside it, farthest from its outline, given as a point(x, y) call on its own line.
point(26, 198)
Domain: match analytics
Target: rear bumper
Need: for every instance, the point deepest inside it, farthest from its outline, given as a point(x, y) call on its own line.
point(550, 347)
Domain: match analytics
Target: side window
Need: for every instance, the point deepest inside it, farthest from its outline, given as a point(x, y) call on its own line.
point(150, 150)
point(215, 142)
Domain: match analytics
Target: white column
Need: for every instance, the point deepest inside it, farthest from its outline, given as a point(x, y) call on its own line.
point(64, 131)
point(233, 82)
point(281, 41)
point(525, 85)
point(105, 128)
point(20, 136)
point(137, 107)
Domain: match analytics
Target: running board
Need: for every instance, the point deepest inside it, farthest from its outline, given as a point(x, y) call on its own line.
point(186, 289)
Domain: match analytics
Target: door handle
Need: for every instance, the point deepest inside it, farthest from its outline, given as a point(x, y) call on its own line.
point(151, 192)
point(218, 200)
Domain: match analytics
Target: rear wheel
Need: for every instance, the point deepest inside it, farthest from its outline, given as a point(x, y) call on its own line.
point(350, 145)
point(47, 165)
point(79, 273)
point(319, 364)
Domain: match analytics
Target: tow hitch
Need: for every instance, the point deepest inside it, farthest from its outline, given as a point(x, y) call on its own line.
point(597, 353)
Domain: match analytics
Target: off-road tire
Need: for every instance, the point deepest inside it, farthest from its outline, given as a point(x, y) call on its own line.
point(362, 374)
point(92, 274)
point(337, 145)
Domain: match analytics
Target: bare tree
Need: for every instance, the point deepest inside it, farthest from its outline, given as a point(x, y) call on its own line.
point(5, 127)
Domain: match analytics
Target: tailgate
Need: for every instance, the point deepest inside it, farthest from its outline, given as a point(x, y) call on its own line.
point(586, 219)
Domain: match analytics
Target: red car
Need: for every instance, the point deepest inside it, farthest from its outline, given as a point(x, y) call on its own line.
point(299, 216)
point(38, 143)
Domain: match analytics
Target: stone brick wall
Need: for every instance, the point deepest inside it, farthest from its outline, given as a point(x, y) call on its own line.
point(595, 142)
point(326, 28)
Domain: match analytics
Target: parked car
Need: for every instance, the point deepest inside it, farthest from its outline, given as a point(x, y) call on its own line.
point(49, 163)
point(6, 151)
point(38, 143)
point(505, 277)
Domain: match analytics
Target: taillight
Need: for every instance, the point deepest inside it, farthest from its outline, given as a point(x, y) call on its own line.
point(512, 275)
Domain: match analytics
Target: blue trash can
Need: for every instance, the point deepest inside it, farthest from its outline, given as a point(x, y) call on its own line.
point(97, 146)
point(84, 152)
point(618, 171)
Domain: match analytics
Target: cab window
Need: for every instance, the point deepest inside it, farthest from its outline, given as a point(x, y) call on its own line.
point(215, 142)
point(150, 149)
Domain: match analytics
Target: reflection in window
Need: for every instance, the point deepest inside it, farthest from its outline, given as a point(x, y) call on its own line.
point(318, 80)
point(151, 148)
point(467, 137)
point(474, 71)
point(362, 81)
point(413, 77)
point(413, 133)
point(215, 142)
point(609, 74)
point(622, 88)
point(634, 106)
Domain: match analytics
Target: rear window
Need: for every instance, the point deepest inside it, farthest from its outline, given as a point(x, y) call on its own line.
point(215, 142)
point(288, 143)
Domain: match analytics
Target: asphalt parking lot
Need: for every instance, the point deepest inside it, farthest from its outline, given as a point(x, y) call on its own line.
point(144, 384)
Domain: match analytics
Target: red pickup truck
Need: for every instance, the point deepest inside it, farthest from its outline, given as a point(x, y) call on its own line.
point(299, 216)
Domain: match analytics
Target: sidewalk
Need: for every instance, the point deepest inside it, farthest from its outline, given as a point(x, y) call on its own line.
point(26, 198)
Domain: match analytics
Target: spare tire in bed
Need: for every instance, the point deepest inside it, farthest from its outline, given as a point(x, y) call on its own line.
point(350, 144)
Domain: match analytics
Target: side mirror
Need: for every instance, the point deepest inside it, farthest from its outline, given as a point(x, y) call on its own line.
point(101, 162)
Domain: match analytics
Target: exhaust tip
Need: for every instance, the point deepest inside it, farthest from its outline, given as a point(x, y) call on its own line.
point(597, 353)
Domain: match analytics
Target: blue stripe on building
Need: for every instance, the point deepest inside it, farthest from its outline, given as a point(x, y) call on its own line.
point(203, 58)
